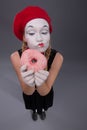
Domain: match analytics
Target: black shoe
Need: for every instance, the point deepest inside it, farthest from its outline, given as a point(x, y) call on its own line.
point(34, 115)
point(43, 115)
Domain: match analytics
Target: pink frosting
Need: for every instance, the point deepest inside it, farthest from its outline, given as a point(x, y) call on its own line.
point(33, 59)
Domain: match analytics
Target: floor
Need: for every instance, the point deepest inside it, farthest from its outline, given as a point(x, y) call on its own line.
point(70, 101)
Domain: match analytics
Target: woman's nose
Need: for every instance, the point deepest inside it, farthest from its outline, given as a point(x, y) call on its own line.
point(38, 37)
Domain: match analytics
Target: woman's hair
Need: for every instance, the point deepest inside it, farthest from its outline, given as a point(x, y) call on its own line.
point(47, 53)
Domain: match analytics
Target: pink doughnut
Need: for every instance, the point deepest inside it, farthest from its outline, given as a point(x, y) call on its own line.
point(33, 59)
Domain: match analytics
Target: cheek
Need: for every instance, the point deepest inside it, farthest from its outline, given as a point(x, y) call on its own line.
point(29, 40)
point(46, 44)
point(47, 39)
point(31, 43)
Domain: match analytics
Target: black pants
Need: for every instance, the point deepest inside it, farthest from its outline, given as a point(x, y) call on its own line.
point(36, 101)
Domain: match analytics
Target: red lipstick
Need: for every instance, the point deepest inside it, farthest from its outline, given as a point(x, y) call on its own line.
point(41, 45)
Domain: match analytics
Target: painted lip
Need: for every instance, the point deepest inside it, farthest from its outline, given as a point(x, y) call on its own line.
point(41, 44)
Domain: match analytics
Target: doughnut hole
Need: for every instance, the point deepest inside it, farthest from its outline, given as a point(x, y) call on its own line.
point(34, 60)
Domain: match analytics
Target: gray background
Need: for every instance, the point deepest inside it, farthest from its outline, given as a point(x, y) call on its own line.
point(69, 19)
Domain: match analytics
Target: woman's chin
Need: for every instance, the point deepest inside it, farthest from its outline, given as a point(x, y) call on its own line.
point(42, 50)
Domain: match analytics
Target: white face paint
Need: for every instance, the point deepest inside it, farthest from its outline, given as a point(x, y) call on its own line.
point(37, 34)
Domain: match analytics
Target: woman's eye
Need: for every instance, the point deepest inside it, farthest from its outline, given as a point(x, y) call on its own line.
point(30, 32)
point(44, 32)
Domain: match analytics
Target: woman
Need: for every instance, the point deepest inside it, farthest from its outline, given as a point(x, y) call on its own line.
point(33, 27)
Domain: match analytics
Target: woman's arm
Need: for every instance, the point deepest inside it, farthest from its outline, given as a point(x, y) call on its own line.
point(53, 73)
point(15, 60)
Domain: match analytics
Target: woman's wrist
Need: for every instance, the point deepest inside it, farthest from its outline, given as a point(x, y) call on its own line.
point(43, 89)
point(29, 90)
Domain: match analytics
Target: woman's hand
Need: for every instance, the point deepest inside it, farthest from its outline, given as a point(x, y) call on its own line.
point(40, 77)
point(28, 76)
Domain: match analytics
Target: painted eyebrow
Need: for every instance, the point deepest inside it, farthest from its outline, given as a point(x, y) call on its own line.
point(30, 26)
point(45, 26)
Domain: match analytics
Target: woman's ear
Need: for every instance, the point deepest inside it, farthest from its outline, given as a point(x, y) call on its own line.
point(24, 39)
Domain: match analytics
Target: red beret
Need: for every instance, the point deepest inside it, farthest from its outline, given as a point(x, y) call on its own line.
point(27, 14)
